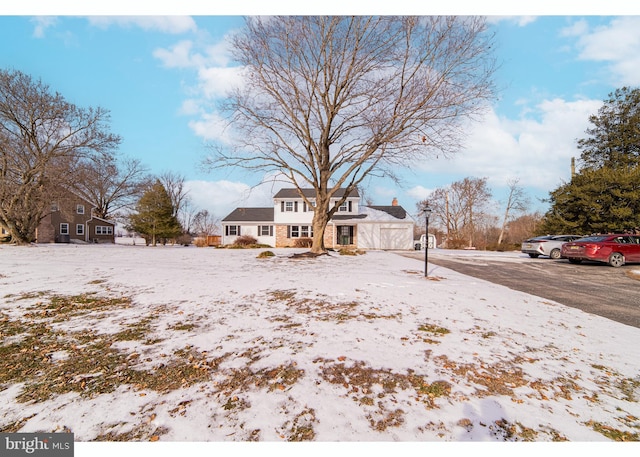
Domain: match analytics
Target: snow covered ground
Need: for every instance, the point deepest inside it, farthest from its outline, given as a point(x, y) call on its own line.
point(182, 345)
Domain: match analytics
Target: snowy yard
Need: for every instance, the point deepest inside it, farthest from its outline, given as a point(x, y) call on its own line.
point(175, 344)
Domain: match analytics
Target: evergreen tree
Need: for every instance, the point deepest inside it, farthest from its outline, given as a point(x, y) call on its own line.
point(604, 196)
point(154, 218)
point(614, 139)
point(596, 201)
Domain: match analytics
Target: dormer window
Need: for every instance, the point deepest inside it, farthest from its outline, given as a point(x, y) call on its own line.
point(80, 209)
point(345, 207)
point(288, 206)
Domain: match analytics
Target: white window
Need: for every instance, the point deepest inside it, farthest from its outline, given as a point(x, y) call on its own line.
point(265, 230)
point(232, 230)
point(104, 230)
point(300, 231)
point(288, 206)
point(79, 229)
point(80, 209)
point(64, 228)
point(54, 207)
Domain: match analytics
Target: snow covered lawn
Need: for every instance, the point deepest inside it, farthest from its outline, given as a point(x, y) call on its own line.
point(135, 343)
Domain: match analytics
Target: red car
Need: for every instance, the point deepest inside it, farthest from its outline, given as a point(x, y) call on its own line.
point(616, 250)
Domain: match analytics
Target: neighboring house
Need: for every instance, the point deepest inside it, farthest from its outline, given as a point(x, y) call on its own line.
point(71, 219)
point(353, 225)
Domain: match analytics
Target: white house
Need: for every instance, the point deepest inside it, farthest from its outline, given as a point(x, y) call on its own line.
point(353, 225)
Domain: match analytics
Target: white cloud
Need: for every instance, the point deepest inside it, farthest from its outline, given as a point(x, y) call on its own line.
point(217, 81)
point(520, 21)
point(218, 197)
point(42, 23)
point(537, 150)
point(419, 192)
point(617, 43)
point(164, 24)
point(178, 56)
point(211, 126)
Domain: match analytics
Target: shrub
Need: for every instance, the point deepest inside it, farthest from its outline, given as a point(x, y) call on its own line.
point(200, 242)
point(346, 251)
point(245, 240)
point(303, 243)
point(265, 255)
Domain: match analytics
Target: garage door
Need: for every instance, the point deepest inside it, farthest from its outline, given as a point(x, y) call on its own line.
point(393, 238)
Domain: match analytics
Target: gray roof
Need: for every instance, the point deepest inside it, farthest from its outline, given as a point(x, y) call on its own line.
point(396, 211)
point(310, 193)
point(250, 215)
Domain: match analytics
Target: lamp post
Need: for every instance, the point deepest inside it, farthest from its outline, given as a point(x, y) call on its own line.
point(427, 212)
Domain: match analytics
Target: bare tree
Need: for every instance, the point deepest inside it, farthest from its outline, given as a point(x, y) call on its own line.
point(461, 208)
point(328, 101)
point(111, 185)
point(174, 185)
point(205, 223)
point(42, 137)
point(517, 201)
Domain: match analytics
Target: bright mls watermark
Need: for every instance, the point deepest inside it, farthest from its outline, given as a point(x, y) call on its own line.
point(36, 444)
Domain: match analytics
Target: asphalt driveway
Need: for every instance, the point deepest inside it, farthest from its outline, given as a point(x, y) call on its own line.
point(599, 289)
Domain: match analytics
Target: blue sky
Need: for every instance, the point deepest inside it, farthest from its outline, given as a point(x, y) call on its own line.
point(159, 76)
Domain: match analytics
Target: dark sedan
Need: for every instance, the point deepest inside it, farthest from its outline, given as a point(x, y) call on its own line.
point(616, 250)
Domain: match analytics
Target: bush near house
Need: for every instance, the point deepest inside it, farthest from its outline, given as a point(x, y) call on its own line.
point(303, 242)
point(245, 240)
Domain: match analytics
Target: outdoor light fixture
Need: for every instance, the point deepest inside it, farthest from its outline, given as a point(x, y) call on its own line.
point(427, 211)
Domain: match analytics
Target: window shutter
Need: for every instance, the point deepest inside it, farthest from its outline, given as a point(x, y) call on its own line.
point(350, 205)
point(288, 231)
point(304, 207)
point(295, 207)
point(226, 230)
point(271, 230)
point(239, 227)
point(282, 206)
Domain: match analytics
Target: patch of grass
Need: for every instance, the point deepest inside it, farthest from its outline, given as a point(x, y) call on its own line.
point(434, 329)
point(184, 327)
point(137, 331)
point(628, 387)
point(325, 310)
point(613, 433)
point(302, 426)
point(145, 433)
point(273, 379)
point(393, 418)
point(64, 306)
point(265, 255)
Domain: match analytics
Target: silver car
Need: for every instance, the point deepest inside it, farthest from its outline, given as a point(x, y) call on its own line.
point(548, 245)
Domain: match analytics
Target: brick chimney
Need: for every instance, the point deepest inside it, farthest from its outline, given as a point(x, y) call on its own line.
point(394, 202)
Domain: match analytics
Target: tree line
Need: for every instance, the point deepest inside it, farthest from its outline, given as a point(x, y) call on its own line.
point(463, 216)
point(602, 196)
point(50, 147)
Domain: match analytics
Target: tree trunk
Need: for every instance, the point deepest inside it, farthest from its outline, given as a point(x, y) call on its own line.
point(320, 221)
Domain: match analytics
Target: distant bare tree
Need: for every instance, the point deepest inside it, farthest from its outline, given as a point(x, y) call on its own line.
point(174, 185)
point(42, 138)
point(205, 223)
point(328, 101)
point(110, 184)
point(461, 208)
point(517, 201)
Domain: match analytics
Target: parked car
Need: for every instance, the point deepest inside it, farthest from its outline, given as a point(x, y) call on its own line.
point(548, 245)
point(616, 250)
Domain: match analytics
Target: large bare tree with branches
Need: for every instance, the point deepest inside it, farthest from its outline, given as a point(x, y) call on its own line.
point(111, 183)
point(42, 139)
point(328, 101)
